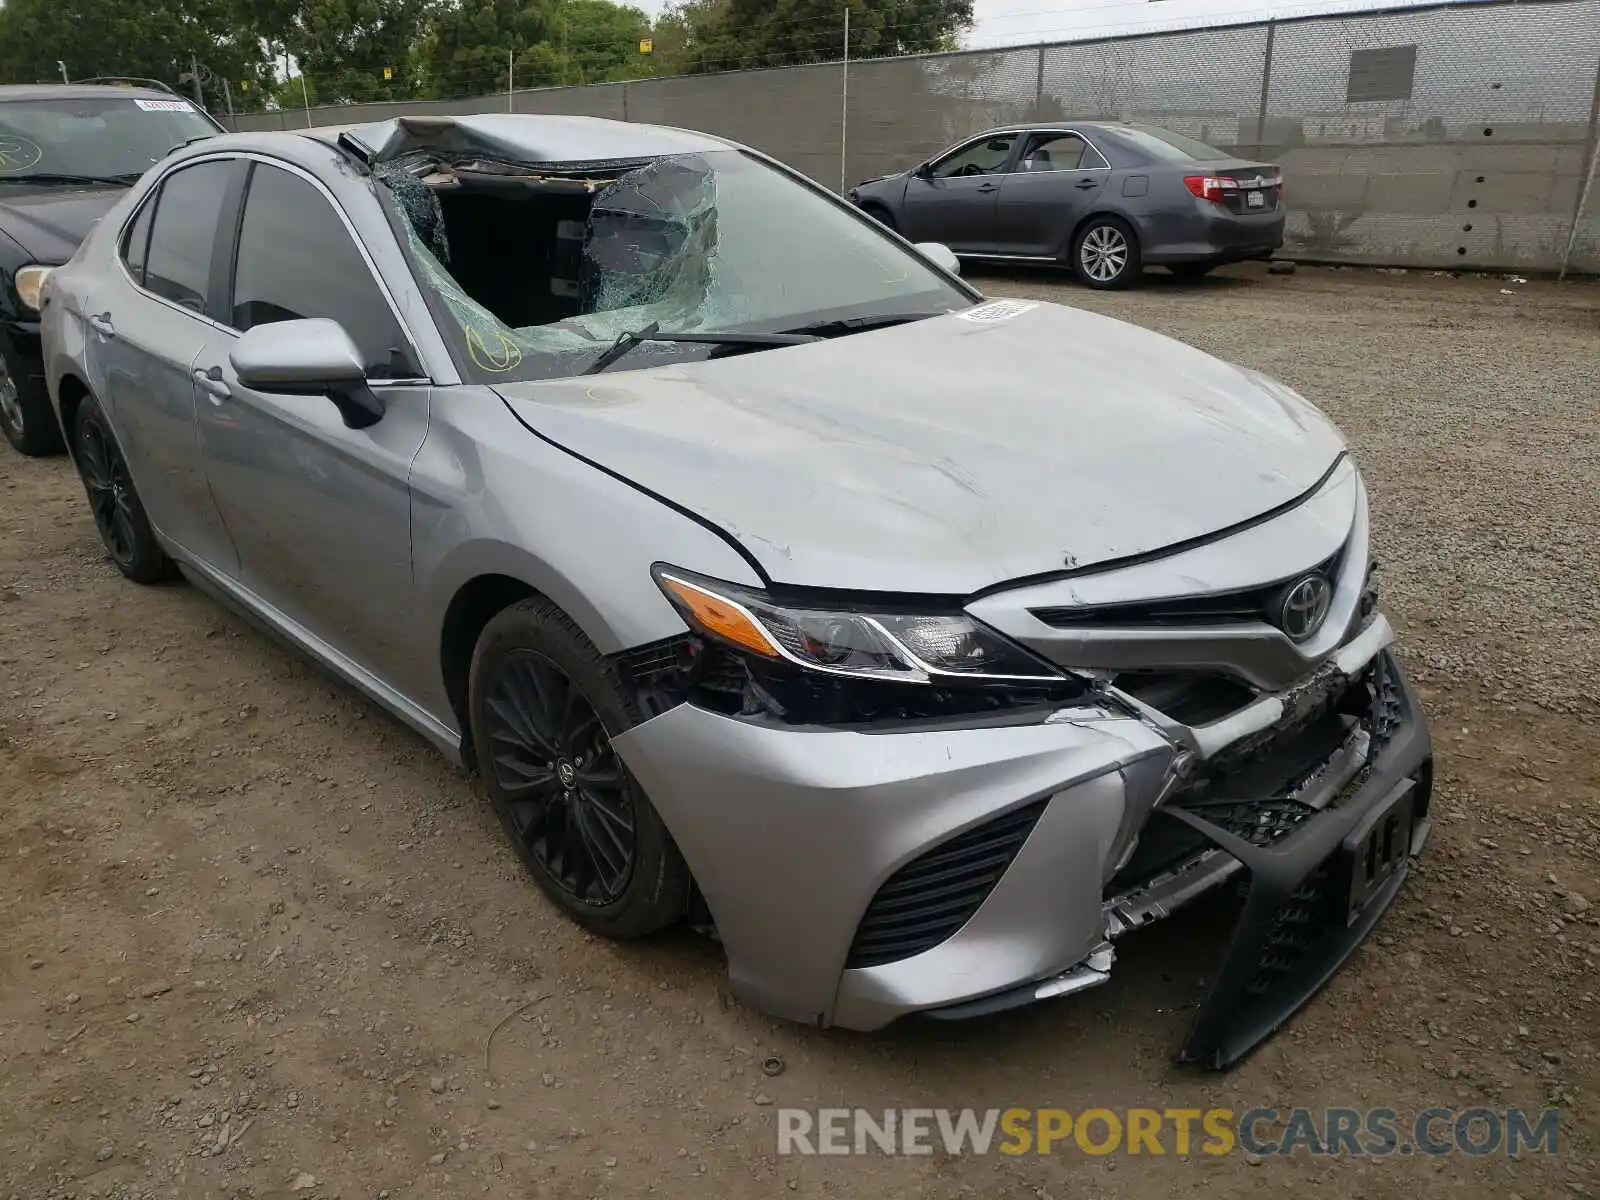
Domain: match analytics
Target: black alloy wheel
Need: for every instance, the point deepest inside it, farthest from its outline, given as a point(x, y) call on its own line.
point(118, 515)
point(543, 705)
point(555, 768)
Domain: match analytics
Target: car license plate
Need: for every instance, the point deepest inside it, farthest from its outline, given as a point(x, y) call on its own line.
point(1377, 848)
point(1255, 199)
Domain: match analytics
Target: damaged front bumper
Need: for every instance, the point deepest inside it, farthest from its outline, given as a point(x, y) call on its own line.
point(856, 877)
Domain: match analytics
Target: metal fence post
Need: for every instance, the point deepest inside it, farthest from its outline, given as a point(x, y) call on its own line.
point(1266, 85)
point(1591, 158)
point(1038, 87)
point(844, 107)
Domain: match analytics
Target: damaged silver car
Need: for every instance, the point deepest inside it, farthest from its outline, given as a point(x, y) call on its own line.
point(917, 646)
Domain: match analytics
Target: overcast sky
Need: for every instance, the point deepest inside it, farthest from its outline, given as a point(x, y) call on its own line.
point(1010, 22)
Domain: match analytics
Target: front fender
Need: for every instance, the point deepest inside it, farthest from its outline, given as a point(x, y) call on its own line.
point(490, 497)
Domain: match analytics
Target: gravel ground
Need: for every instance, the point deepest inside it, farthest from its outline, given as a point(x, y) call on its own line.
point(260, 941)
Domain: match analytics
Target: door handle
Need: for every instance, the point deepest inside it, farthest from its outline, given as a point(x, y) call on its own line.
point(988, 187)
point(101, 324)
point(1085, 184)
point(211, 380)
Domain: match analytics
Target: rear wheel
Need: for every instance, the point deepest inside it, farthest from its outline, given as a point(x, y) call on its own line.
point(25, 416)
point(1191, 270)
point(544, 706)
point(118, 514)
point(1105, 254)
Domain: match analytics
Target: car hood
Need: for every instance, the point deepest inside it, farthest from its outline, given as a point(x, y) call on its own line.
point(951, 454)
point(48, 222)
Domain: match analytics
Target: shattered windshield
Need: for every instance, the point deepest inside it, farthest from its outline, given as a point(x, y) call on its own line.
point(104, 136)
point(535, 273)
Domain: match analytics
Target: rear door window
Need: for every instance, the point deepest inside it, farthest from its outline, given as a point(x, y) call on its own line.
point(183, 235)
point(1058, 152)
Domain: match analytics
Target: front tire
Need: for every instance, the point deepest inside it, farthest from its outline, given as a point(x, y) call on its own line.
point(1105, 254)
point(119, 515)
point(26, 418)
point(544, 706)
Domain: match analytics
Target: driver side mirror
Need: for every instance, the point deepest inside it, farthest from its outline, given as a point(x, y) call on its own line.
point(940, 255)
point(923, 170)
point(312, 356)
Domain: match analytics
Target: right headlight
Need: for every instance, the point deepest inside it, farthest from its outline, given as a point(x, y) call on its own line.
point(29, 282)
point(866, 643)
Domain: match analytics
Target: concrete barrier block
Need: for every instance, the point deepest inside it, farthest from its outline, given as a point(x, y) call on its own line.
point(1412, 194)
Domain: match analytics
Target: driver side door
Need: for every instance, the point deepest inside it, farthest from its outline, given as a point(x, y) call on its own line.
point(320, 512)
point(954, 200)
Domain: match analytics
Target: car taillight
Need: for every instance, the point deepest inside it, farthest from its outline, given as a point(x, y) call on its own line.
point(1210, 187)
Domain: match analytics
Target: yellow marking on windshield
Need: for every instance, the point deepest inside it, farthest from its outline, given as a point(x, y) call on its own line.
point(18, 153)
point(496, 355)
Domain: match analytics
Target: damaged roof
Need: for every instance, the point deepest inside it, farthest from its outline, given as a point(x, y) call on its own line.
point(526, 137)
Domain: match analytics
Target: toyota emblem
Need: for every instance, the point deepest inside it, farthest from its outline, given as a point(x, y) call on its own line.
point(1304, 606)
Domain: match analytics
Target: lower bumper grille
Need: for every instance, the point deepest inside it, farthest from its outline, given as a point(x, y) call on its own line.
point(931, 897)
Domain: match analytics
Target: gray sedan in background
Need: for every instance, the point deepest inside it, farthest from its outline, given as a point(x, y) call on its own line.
point(1105, 198)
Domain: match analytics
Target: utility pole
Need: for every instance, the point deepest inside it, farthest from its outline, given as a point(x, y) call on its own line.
point(511, 78)
point(194, 77)
point(844, 106)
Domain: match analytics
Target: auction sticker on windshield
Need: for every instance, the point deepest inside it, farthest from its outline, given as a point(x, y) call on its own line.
point(995, 311)
point(165, 105)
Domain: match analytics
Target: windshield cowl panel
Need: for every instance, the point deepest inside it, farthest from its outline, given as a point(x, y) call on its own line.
point(535, 273)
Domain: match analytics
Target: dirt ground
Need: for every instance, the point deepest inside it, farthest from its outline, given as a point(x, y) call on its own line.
point(257, 935)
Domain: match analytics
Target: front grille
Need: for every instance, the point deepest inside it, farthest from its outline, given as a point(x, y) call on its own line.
point(930, 898)
point(1192, 697)
point(1249, 605)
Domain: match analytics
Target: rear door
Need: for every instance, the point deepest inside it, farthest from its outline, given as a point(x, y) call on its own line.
point(1058, 179)
point(321, 512)
point(954, 202)
point(146, 327)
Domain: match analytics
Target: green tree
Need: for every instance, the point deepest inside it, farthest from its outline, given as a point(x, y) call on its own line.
point(602, 40)
point(467, 50)
point(680, 33)
point(122, 37)
point(551, 41)
point(773, 33)
point(344, 46)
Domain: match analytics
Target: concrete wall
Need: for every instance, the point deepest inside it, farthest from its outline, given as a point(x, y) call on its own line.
point(1482, 165)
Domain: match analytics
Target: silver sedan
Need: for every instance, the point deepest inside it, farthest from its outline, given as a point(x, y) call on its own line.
point(764, 580)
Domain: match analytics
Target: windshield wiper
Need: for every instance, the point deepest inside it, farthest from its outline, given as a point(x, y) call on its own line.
point(847, 325)
point(125, 180)
point(652, 333)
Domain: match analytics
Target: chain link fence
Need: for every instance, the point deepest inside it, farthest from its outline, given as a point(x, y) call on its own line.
point(1456, 135)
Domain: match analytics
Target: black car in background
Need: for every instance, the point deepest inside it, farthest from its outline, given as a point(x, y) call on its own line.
point(1106, 198)
point(67, 153)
